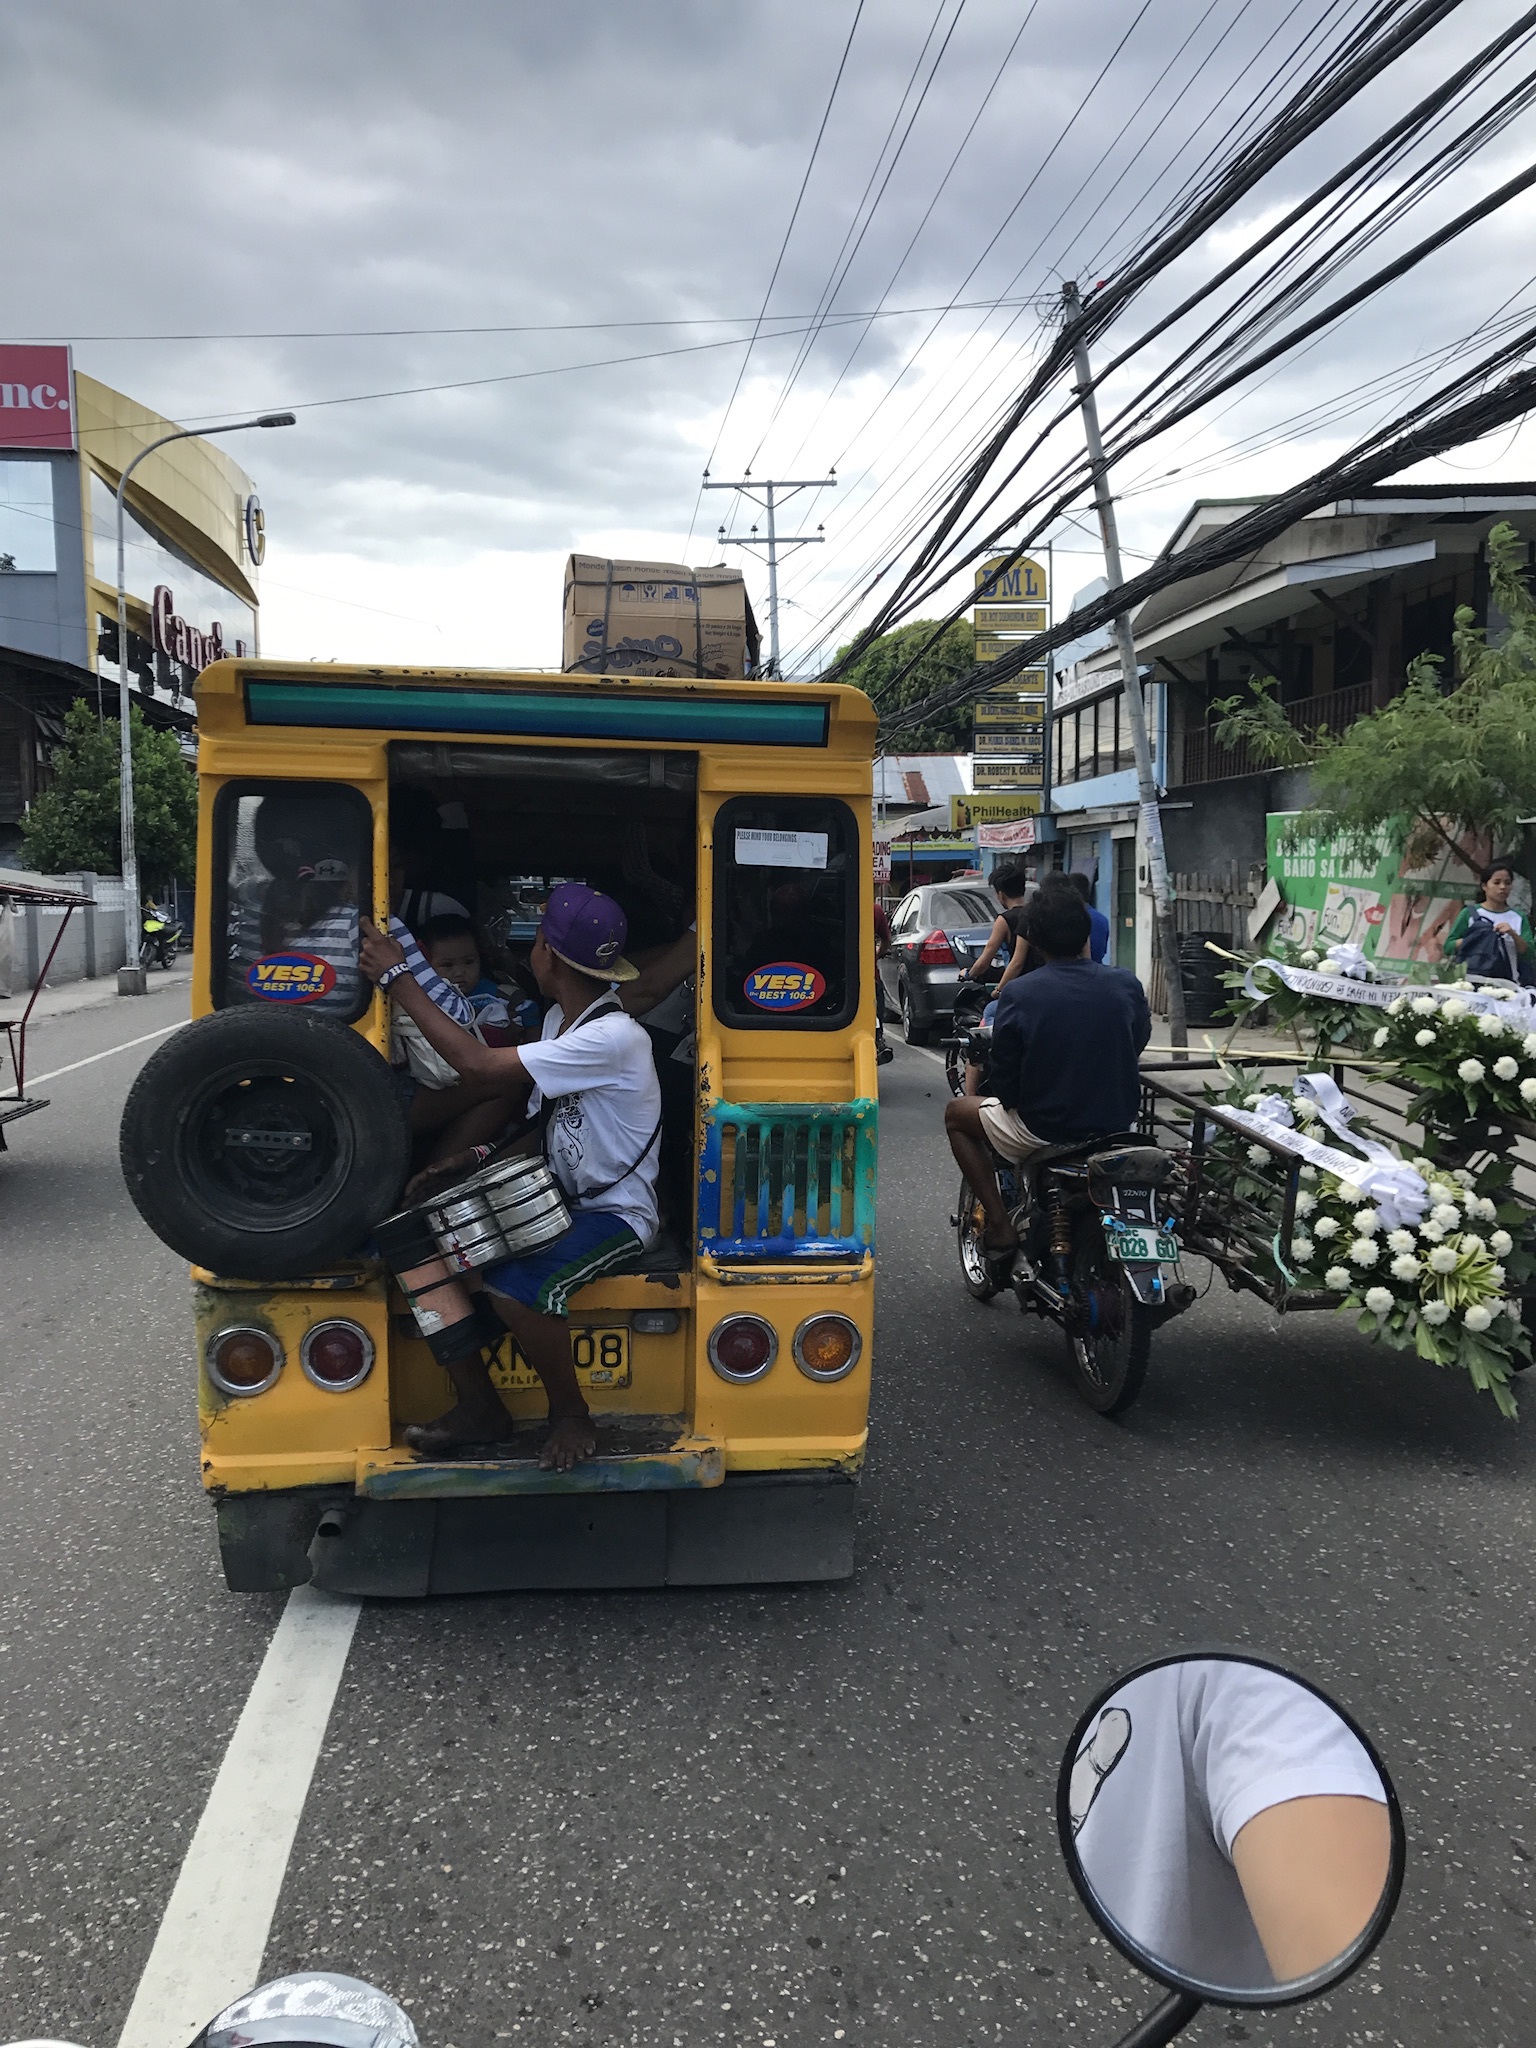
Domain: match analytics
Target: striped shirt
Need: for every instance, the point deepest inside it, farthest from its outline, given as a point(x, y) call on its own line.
point(450, 1000)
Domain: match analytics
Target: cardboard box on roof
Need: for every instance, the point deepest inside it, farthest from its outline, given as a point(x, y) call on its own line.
point(656, 619)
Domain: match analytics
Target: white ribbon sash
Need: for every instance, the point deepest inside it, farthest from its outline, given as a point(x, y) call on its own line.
point(1379, 995)
point(1333, 988)
point(1397, 1193)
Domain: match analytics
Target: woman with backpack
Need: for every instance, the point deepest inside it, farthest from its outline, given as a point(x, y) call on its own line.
point(1488, 937)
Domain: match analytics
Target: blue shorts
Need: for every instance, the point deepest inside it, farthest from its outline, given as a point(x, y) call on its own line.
point(598, 1242)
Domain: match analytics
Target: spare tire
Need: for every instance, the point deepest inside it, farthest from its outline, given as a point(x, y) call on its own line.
point(263, 1145)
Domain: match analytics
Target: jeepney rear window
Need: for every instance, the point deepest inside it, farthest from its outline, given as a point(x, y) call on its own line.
point(786, 913)
point(293, 870)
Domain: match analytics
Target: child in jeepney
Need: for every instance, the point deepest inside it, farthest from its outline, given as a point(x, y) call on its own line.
point(442, 1108)
point(503, 1014)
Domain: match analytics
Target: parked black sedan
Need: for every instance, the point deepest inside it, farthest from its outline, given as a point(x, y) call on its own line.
point(936, 932)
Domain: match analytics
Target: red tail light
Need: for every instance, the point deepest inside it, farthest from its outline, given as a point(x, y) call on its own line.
point(936, 951)
point(337, 1356)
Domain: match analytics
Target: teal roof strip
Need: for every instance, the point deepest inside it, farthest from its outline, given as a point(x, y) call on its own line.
point(540, 714)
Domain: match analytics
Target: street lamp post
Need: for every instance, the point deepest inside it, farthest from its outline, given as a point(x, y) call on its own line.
point(131, 977)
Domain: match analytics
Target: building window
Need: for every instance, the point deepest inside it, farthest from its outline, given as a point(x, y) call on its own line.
point(26, 516)
point(1094, 739)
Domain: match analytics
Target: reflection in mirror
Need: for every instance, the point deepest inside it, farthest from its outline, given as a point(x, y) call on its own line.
point(1228, 1828)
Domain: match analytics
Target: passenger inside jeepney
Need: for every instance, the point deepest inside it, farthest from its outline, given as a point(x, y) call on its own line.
point(447, 1111)
point(594, 1066)
point(293, 889)
point(528, 819)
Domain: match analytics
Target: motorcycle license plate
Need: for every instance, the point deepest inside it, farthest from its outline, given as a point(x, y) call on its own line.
point(1143, 1247)
point(601, 1357)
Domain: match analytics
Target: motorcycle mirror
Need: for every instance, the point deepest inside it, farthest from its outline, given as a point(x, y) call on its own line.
point(311, 2009)
point(1232, 1831)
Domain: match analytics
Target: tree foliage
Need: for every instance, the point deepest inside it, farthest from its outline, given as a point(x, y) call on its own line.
point(952, 656)
point(74, 822)
point(1435, 763)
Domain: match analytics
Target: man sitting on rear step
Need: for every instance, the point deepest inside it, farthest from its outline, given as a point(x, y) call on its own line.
point(593, 1073)
point(1066, 1042)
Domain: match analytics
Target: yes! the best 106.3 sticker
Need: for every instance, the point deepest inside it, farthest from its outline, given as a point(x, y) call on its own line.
point(291, 978)
point(784, 985)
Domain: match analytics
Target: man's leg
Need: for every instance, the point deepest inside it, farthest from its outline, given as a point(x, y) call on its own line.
point(446, 1317)
point(545, 1341)
point(973, 1155)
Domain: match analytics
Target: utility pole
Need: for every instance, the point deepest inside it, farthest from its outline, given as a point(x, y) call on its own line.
point(774, 539)
point(1130, 675)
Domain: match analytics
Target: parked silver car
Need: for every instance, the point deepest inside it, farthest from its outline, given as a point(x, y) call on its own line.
point(936, 932)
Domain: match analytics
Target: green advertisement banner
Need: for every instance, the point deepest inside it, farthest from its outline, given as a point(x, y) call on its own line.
point(1376, 901)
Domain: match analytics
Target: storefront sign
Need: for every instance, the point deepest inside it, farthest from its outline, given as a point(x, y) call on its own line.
point(255, 530)
point(993, 712)
point(990, 810)
point(1334, 896)
point(1021, 582)
point(1021, 744)
point(1007, 775)
point(1010, 618)
point(784, 985)
point(189, 645)
point(882, 863)
point(1010, 606)
point(36, 396)
point(1015, 837)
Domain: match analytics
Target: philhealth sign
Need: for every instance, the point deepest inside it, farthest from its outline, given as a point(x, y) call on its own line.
point(37, 397)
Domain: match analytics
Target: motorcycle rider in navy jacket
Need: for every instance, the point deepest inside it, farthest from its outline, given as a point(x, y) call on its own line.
point(1066, 1042)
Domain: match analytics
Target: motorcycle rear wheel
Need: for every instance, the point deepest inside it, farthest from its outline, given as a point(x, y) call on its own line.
point(1109, 1358)
point(970, 1224)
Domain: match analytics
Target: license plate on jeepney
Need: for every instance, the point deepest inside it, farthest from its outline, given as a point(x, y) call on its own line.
point(1143, 1247)
point(601, 1357)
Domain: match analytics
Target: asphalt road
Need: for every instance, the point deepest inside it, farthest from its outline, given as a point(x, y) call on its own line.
point(776, 1818)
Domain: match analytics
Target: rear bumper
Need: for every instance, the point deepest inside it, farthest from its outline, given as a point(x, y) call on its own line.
point(757, 1528)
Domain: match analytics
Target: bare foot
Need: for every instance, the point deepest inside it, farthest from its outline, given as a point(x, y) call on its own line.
point(571, 1439)
point(459, 1428)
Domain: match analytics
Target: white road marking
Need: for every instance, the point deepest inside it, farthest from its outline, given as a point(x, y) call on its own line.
point(37, 1080)
point(214, 1933)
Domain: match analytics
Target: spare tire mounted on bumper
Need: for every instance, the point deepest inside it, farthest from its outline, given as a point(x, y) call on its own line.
point(262, 1145)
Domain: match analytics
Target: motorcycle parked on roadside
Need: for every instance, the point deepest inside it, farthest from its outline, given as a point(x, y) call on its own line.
point(160, 937)
point(1098, 1246)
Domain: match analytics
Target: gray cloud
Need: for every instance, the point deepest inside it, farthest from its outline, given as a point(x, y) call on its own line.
point(201, 166)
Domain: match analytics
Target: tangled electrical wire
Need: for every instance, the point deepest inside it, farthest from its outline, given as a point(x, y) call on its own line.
point(1303, 250)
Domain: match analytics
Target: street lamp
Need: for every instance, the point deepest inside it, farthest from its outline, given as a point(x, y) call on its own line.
point(131, 978)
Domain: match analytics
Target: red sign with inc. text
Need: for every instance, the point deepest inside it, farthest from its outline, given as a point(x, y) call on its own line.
point(37, 396)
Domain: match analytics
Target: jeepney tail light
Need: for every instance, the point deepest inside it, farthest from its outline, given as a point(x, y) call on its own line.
point(936, 951)
point(742, 1348)
point(243, 1361)
point(827, 1347)
point(337, 1355)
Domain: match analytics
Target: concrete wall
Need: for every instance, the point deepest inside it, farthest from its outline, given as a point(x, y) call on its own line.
point(93, 938)
point(1225, 820)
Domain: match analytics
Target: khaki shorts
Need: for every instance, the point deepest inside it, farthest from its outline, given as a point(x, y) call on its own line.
point(1007, 1132)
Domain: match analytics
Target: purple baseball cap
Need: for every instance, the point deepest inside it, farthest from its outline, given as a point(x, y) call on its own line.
point(587, 931)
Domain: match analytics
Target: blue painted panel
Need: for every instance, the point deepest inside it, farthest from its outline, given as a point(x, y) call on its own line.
point(788, 1180)
point(540, 714)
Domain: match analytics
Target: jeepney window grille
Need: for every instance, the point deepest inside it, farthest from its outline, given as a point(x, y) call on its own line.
point(787, 900)
point(293, 872)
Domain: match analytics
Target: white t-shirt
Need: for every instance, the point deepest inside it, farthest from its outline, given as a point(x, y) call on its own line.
point(1176, 1765)
point(601, 1075)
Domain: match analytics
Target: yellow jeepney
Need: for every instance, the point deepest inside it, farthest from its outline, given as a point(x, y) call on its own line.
point(729, 1372)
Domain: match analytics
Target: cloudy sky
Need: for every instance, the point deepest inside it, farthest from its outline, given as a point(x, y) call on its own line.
point(613, 179)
